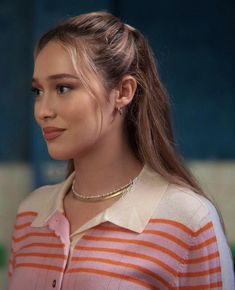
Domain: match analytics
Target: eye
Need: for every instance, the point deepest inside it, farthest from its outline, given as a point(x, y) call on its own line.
point(63, 89)
point(36, 91)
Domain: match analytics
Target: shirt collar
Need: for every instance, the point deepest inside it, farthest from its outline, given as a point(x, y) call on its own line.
point(135, 209)
point(54, 203)
point(132, 211)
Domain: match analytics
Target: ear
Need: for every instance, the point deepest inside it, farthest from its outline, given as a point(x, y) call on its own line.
point(126, 91)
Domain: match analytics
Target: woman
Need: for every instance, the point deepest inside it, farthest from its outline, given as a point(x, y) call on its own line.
point(129, 215)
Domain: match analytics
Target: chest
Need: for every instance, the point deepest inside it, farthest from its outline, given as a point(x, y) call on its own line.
point(78, 213)
point(106, 257)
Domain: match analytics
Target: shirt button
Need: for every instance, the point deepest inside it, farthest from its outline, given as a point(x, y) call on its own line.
point(54, 283)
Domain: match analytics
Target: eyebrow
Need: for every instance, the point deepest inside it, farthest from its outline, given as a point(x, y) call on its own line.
point(57, 77)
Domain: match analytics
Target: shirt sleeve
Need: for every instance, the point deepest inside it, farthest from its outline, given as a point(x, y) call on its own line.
point(208, 264)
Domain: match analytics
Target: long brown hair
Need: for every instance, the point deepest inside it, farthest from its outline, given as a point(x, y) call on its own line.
point(109, 49)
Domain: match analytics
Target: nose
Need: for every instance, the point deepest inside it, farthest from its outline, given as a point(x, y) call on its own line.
point(44, 110)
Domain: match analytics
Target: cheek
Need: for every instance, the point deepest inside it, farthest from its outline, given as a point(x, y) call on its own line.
point(85, 123)
point(84, 114)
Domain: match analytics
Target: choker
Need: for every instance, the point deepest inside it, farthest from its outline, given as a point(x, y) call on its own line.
point(111, 194)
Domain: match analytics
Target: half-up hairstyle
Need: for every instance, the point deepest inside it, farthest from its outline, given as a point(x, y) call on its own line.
point(103, 46)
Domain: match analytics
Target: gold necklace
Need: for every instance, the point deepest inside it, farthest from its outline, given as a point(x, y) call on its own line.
point(104, 196)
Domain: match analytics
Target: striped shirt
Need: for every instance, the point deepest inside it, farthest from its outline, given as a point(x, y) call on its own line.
point(157, 236)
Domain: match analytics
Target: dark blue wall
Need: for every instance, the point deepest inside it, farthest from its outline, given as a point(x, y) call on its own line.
point(15, 63)
point(193, 41)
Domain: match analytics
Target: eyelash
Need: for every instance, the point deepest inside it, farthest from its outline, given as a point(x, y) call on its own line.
point(63, 86)
point(37, 91)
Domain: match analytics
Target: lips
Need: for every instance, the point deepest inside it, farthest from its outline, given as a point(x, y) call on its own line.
point(51, 133)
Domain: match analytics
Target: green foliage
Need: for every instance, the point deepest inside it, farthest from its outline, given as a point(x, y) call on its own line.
point(3, 256)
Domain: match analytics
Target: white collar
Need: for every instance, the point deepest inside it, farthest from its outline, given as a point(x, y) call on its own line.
point(133, 211)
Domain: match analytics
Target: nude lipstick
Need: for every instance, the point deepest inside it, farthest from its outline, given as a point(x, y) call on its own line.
point(51, 133)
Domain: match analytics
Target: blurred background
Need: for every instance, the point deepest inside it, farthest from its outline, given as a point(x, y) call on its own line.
point(194, 45)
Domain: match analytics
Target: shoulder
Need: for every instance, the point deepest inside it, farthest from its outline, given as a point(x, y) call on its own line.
point(186, 207)
point(37, 198)
point(45, 196)
point(196, 216)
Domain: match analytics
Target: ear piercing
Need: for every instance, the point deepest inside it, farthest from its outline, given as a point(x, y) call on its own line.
point(119, 110)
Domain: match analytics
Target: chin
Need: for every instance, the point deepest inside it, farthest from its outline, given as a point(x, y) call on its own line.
point(63, 152)
point(59, 154)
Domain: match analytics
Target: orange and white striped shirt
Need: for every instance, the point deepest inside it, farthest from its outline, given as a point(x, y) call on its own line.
point(158, 236)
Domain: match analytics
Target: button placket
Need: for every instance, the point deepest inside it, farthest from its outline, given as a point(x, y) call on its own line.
point(54, 283)
point(60, 226)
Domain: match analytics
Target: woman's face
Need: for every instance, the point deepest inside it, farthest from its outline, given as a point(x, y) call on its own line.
point(70, 118)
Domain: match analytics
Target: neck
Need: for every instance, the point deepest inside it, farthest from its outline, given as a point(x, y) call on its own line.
point(106, 168)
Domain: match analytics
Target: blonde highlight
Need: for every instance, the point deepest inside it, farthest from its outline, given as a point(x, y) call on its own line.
point(102, 46)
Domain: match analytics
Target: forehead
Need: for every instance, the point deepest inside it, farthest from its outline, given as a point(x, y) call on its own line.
point(53, 59)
